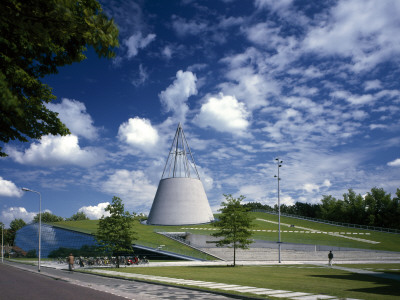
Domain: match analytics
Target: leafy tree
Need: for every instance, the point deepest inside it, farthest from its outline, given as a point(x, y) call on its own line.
point(115, 233)
point(79, 216)
point(15, 225)
point(48, 217)
point(31, 254)
point(378, 207)
point(36, 38)
point(234, 225)
point(354, 207)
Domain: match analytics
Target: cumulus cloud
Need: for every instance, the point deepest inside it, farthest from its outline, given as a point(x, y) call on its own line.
point(394, 163)
point(138, 133)
point(73, 114)
point(225, 114)
point(133, 186)
point(175, 96)
point(9, 189)
point(137, 41)
point(95, 212)
point(11, 213)
point(56, 151)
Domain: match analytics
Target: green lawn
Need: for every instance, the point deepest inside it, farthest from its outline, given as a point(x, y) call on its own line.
point(305, 278)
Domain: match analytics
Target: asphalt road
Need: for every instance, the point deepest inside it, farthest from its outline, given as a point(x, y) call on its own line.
point(28, 284)
point(20, 284)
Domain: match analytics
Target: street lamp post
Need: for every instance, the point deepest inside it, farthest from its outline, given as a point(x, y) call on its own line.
point(279, 163)
point(2, 243)
point(40, 222)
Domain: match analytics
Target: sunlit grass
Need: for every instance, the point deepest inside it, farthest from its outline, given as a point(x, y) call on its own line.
point(305, 278)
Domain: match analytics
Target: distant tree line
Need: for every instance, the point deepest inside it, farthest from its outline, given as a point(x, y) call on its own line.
point(376, 208)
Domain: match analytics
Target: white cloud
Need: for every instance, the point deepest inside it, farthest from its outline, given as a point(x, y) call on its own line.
point(137, 41)
point(132, 186)
point(354, 99)
point(142, 76)
point(56, 151)
point(9, 189)
point(394, 163)
point(139, 133)
point(183, 27)
point(167, 52)
point(246, 80)
point(223, 113)
point(273, 5)
point(366, 31)
point(310, 187)
point(12, 213)
point(264, 34)
point(73, 114)
point(372, 85)
point(175, 96)
point(95, 212)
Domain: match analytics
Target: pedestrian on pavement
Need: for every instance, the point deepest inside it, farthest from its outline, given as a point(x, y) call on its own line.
point(71, 261)
point(330, 257)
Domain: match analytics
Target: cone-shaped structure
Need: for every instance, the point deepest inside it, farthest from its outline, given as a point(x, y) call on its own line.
point(180, 197)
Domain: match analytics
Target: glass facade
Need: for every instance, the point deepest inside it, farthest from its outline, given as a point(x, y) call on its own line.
point(52, 238)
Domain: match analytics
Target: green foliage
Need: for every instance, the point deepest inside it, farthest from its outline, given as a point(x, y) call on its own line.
point(234, 225)
point(377, 208)
point(115, 233)
point(15, 225)
point(48, 218)
point(79, 216)
point(31, 254)
point(36, 38)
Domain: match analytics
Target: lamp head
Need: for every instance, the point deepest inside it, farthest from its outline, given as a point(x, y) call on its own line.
point(26, 190)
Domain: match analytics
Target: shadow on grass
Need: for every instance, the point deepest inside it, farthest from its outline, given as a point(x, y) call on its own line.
point(380, 286)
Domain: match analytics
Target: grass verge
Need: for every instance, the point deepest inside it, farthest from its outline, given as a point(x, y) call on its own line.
point(305, 278)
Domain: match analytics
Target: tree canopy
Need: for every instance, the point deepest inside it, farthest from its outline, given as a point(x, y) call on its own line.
point(36, 38)
point(234, 225)
point(377, 208)
point(79, 216)
point(48, 217)
point(115, 233)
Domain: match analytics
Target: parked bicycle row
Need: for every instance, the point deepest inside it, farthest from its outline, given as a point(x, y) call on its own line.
point(104, 261)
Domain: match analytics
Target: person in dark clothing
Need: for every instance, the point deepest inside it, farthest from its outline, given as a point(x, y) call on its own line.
point(330, 257)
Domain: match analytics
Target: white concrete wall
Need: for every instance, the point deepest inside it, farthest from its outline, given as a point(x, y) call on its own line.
point(180, 201)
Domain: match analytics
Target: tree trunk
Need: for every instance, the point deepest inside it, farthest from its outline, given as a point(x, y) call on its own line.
point(117, 261)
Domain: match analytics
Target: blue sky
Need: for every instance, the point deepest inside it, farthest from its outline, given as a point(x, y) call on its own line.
point(313, 82)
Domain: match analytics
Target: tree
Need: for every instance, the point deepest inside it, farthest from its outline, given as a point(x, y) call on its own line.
point(79, 216)
point(115, 233)
point(15, 225)
point(36, 38)
point(48, 217)
point(234, 225)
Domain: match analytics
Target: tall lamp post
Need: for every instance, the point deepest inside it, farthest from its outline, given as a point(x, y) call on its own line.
point(279, 164)
point(2, 242)
point(40, 222)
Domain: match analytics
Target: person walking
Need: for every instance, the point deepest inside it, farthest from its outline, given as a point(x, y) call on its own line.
point(330, 257)
point(71, 261)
